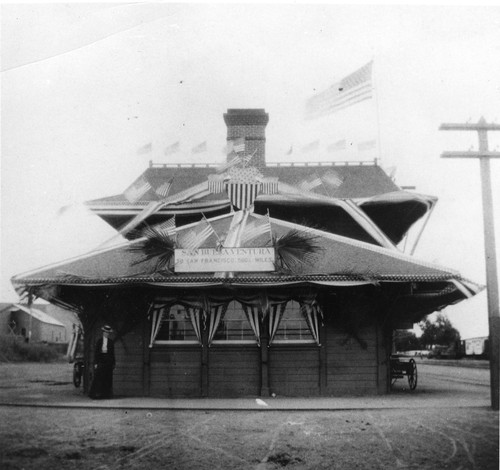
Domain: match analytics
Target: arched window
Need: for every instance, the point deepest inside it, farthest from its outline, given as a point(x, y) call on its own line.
point(234, 326)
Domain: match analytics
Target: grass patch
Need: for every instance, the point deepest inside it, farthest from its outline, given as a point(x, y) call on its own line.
point(13, 349)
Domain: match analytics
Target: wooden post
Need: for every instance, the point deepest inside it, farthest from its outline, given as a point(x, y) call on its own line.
point(484, 155)
point(264, 358)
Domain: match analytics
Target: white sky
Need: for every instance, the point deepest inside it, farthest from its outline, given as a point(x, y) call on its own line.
point(85, 85)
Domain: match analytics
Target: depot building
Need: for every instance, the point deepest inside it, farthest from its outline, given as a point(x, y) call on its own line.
point(252, 278)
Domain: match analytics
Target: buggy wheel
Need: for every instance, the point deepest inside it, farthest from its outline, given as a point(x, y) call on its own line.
point(412, 374)
point(77, 374)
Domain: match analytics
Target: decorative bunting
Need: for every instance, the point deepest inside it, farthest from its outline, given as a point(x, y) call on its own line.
point(195, 237)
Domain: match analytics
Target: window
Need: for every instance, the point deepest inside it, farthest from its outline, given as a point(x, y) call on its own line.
point(234, 326)
point(293, 326)
point(176, 324)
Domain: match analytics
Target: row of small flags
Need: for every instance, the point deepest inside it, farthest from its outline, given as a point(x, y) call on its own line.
point(330, 178)
point(337, 146)
point(235, 145)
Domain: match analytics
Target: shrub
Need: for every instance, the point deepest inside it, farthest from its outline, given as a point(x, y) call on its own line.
point(13, 349)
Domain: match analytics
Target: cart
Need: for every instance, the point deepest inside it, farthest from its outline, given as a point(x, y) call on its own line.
point(401, 368)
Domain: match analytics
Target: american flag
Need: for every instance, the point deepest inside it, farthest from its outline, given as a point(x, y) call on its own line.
point(200, 148)
point(310, 146)
point(173, 148)
point(255, 229)
point(352, 89)
point(195, 237)
point(164, 188)
point(235, 161)
point(311, 182)
point(367, 145)
point(167, 227)
point(137, 189)
point(332, 178)
point(238, 145)
point(339, 145)
point(148, 148)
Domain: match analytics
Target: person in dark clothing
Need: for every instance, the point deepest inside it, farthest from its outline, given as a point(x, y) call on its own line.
point(104, 363)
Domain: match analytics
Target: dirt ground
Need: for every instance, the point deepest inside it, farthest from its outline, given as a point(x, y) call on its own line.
point(90, 438)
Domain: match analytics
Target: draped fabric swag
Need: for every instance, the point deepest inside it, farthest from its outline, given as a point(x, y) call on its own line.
point(257, 305)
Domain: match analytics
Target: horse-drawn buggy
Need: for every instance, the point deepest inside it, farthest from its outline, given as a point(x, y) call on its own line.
point(402, 367)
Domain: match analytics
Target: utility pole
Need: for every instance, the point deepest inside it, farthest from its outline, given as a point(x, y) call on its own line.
point(484, 155)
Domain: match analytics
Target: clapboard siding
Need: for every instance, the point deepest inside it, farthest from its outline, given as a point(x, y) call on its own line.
point(128, 373)
point(352, 364)
point(294, 370)
point(175, 371)
point(234, 371)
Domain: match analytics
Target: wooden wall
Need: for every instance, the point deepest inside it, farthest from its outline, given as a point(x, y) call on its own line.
point(234, 371)
point(175, 371)
point(129, 370)
point(343, 365)
point(294, 370)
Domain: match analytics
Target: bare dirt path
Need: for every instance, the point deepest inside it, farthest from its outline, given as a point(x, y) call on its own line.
point(456, 430)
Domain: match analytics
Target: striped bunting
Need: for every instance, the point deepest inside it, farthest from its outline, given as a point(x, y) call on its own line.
point(352, 89)
point(269, 185)
point(137, 189)
point(216, 183)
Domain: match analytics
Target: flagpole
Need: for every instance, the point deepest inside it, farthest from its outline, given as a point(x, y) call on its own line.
point(375, 88)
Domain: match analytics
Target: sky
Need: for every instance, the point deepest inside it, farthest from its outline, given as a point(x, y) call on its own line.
point(84, 86)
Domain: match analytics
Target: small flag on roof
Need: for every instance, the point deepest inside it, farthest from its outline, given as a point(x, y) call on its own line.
point(367, 145)
point(145, 149)
point(310, 147)
point(137, 189)
point(200, 148)
point(311, 182)
point(335, 147)
point(173, 148)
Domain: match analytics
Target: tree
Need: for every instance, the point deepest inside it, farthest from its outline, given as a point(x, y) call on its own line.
point(438, 332)
point(405, 340)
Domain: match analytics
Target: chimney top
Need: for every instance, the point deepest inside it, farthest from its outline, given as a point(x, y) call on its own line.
point(246, 117)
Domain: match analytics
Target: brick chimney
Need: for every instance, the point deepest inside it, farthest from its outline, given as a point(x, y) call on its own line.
point(250, 124)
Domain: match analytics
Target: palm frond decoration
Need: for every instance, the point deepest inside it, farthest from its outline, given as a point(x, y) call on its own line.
point(157, 244)
point(295, 249)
